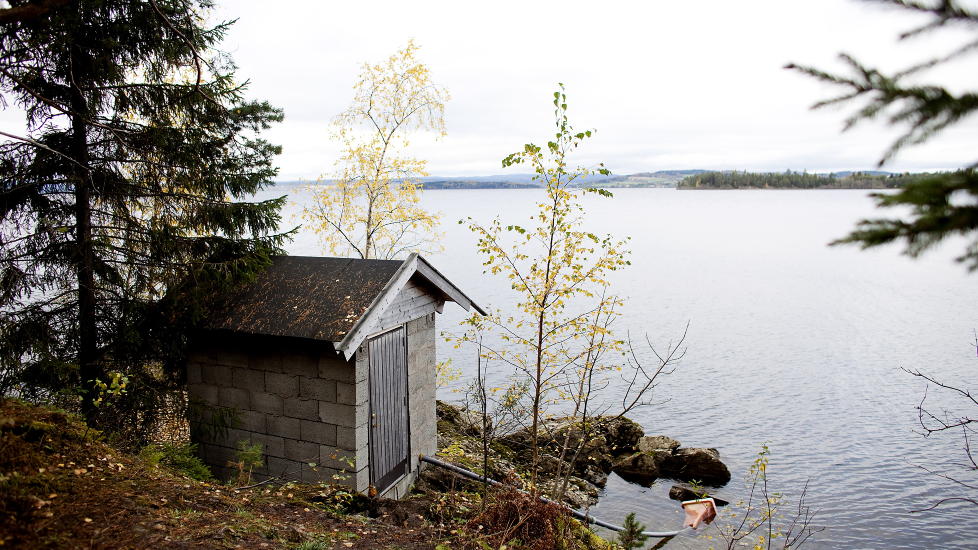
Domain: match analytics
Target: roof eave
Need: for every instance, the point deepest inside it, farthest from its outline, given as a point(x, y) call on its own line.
point(413, 264)
point(435, 277)
point(349, 344)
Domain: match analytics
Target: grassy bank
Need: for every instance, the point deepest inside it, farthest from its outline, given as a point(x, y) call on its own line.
point(63, 485)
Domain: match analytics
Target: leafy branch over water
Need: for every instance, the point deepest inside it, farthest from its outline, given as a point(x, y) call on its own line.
point(942, 205)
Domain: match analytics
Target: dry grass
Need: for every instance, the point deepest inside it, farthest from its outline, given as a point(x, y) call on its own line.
point(517, 519)
point(62, 487)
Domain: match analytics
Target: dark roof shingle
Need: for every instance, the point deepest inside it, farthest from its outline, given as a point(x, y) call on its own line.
point(306, 297)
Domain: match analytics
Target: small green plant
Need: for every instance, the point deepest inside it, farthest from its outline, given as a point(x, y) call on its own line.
point(179, 456)
point(189, 513)
point(632, 537)
point(115, 387)
point(338, 501)
point(696, 486)
point(759, 521)
point(248, 456)
point(314, 545)
point(350, 466)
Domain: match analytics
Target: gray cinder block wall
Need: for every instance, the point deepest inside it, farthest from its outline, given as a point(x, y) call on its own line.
point(305, 405)
point(297, 399)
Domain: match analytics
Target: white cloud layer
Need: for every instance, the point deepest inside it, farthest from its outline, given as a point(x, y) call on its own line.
point(667, 85)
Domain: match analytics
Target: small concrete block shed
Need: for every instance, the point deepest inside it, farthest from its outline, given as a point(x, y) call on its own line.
point(328, 362)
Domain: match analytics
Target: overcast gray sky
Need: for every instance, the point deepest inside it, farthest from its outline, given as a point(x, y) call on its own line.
point(667, 85)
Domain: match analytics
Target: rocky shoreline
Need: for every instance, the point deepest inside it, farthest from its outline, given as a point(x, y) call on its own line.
point(616, 445)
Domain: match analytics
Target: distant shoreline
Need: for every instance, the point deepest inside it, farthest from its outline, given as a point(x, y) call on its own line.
point(826, 188)
point(465, 186)
point(478, 187)
point(800, 180)
point(673, 179)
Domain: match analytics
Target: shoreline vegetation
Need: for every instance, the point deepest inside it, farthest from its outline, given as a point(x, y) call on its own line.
point(800, 180)
point(679, 179)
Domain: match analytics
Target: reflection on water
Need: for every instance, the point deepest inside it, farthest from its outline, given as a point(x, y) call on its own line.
point(791, 343)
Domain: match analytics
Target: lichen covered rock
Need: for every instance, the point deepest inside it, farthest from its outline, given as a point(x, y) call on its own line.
point(603, 445)
point(651, 443)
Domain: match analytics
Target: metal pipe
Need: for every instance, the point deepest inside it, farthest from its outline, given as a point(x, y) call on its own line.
point(576, 513)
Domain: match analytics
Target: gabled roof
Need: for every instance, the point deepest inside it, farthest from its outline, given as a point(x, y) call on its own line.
point(338, 300)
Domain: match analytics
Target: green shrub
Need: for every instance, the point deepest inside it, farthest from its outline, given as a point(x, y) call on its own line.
point(632, 536)
point(179, 456)
point(248, 457)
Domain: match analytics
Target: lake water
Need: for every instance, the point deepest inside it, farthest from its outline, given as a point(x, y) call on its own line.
point(791, 343)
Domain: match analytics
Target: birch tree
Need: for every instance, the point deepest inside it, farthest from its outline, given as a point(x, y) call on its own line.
point(371, 208)
point(560, 272)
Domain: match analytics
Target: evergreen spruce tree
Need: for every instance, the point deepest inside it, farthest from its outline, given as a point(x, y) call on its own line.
point(631, 536)
point(941, 205)
point(122, 202)
point(924, 110)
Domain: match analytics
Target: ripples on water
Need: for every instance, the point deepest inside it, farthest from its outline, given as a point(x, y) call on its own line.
point(791, 343)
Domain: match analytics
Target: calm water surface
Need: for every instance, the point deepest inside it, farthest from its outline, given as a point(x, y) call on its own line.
point(791, 343)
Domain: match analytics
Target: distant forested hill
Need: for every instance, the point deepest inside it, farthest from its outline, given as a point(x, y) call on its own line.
point(798, 180)
point(682, 179)
point(462, 183)
point(661, 178)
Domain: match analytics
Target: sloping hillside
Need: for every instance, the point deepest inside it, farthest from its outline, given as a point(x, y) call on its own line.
point(61, 486)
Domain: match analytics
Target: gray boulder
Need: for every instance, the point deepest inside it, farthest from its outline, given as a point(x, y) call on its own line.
point(553, 433)
point(607, 437)
point(621, 434)
point(651, 443)
point(596, 476)
point(455, 419)
point(580, 493)
point(641, 468)
point(550, 465)
point(701, 465)
point(683, 492)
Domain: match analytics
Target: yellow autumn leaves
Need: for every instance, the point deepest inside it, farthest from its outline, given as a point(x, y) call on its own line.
point(558, 341)
point(371, 207)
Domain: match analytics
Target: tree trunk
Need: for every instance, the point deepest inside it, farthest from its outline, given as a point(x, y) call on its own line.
point(88, 369)
point(541, 319)
point(537, 391)
point(486, 435)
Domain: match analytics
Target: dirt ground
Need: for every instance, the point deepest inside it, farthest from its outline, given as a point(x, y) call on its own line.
point(61, 486)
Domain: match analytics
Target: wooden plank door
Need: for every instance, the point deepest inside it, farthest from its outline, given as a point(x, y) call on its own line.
point(389, 422)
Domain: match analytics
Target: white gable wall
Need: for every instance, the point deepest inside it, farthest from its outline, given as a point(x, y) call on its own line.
point(415, 300)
